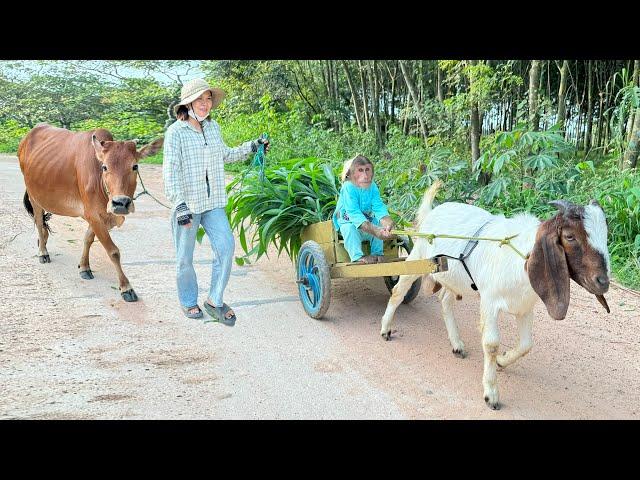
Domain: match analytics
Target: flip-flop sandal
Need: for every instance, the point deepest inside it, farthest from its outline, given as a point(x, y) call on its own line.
point(188, 314)
point(219, 314)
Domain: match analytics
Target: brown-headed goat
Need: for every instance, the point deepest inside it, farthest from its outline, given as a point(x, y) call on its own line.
point(571, 245)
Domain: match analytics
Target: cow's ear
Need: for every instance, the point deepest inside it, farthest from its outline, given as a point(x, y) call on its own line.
point(152, 148)
point(97, 146)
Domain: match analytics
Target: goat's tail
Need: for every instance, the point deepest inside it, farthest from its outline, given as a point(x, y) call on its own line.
point(46, 216)
point(427, 200)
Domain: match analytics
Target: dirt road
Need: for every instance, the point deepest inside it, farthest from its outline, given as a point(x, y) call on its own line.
point(73, 349)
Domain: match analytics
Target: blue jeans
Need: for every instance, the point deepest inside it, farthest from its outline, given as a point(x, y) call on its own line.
point(353, 239)
point(217, 227)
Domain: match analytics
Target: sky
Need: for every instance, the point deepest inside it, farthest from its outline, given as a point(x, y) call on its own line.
point(167, 75)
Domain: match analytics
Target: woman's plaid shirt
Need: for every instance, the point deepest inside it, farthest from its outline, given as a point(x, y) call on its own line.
point(193, 168)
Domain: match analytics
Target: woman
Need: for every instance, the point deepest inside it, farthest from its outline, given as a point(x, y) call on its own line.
point(193, 172)
point(360, 213)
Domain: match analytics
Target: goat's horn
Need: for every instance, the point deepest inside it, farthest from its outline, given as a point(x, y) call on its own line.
point(561, 205)
point(603, 302)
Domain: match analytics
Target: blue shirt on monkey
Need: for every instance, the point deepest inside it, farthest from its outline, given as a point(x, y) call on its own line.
point(356, 206)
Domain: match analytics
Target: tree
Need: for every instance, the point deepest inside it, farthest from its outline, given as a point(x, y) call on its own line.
point(414, 95)
point(562, 94)
point(534, 80)
point(631, 154)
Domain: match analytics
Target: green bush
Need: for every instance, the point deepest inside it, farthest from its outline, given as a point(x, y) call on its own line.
point(11, 132)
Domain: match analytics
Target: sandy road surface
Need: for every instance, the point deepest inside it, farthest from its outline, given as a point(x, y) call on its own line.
point(73, 349)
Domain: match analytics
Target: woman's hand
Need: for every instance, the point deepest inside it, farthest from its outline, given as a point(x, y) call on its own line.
point(183, 215)
point(261, 141)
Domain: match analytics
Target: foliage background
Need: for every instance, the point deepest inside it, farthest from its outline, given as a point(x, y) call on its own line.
point(494, 131)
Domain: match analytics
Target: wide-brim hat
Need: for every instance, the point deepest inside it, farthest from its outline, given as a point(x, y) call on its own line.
point(196, 87)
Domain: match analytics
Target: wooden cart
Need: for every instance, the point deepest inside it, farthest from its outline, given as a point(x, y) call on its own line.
point(322, 257)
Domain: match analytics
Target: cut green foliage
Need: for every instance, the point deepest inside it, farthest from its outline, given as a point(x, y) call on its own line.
point(275, 209)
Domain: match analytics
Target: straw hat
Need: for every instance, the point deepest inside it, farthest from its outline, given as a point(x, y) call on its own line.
point(345, 169)
point(196, 87)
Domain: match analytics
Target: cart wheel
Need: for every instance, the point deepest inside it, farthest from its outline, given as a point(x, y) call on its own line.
point(404, 249)
point(314, 280)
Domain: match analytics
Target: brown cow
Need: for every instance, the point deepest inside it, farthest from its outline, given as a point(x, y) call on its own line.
point(81, 174)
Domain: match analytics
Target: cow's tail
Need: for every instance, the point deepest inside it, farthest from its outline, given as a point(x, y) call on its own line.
point(46, 216)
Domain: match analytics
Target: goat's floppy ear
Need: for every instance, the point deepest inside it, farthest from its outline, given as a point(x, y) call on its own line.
point(548, 271)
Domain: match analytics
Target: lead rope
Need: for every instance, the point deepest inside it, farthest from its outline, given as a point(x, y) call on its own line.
point(259, 159)
point(145, 191)
point(430, 237)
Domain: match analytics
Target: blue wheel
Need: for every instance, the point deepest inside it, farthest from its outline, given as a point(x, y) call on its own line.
point(314, 280)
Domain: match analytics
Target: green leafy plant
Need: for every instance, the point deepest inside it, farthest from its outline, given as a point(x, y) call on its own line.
point(275, 208)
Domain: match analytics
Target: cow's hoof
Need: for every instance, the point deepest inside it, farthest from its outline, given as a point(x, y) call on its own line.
point(45, 259)
point(130, 296)
point(86, 274)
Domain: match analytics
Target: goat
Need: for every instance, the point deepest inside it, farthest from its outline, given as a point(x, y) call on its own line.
point(572, 244)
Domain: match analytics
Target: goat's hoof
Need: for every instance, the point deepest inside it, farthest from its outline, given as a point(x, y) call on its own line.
point(460, 353)
point(86, 274)
point(44, 259)
point(130, 296)
point(493, 405)
point(387, 336)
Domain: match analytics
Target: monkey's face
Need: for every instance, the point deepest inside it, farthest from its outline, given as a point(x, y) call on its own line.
point(362, 176)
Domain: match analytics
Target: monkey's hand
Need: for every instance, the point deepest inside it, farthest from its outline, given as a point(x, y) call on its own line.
point(381, 233)
point(387, 223)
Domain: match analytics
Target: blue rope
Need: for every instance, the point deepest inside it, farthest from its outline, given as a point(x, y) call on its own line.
point(259, 159)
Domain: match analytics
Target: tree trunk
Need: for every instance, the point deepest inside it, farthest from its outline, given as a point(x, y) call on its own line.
point(631, 154)
point(534, 81)
point(365, 100)
point(393, 94)
point(475, 132)
point(336, 97)
point(353, 93)
point(414, 95)
point(376, 103)
point(562, 95)
point(405, 121)
point(587, 138)
point(599, 126)
point(634, 81)
point(439, 93)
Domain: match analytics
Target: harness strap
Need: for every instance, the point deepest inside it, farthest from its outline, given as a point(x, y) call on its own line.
point(471, 245)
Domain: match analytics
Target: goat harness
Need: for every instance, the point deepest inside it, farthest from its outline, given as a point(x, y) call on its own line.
point(468, 249)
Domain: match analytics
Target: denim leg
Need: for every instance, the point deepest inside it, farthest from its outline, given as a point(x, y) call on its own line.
point(218, 230)
point(184, 240)
point(352, 241)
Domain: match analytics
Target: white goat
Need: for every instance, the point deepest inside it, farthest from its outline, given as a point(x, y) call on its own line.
point(573, 244)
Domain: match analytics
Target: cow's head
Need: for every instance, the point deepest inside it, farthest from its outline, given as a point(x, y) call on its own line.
point(573, 244)
point(119, 170)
